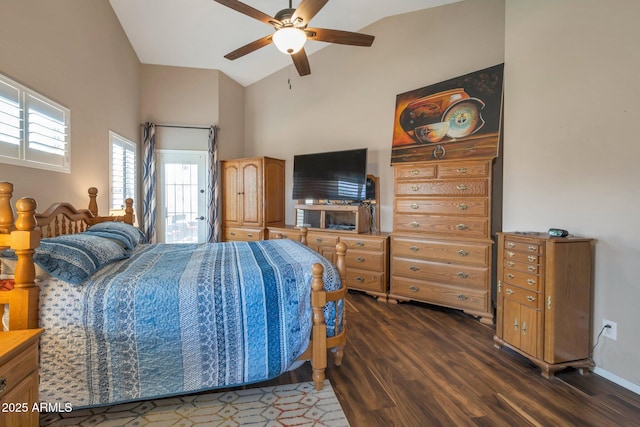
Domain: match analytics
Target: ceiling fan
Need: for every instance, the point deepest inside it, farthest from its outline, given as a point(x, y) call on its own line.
point(292, 31)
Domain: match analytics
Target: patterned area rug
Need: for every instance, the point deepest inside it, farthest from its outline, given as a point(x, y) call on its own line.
point(283, 405)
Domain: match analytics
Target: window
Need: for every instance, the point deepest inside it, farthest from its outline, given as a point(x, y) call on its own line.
point(122, 170)
point(34, 131)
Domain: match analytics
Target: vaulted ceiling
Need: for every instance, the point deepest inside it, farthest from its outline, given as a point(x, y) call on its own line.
point(198, 33)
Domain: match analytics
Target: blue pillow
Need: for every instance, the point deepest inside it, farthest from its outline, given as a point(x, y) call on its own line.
point(124, 233)
point(75, 257)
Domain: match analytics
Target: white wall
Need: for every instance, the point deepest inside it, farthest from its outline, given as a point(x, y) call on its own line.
point(571, 150)
point(75, 53)
point(348, 101)
point(571, 103)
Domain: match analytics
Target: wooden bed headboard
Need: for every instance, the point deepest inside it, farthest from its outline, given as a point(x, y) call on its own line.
point(23, 233)
point(63, 218)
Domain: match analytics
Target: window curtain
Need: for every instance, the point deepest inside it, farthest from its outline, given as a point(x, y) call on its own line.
point(149, 182)
point(213, 229)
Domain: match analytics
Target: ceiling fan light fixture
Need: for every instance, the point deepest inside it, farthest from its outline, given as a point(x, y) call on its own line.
point(289, 40)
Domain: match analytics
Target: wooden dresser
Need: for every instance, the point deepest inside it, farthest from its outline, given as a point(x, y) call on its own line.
point(544, 299)
point(19, 377)
point(366, 262)
point(441, 243)
point(252, 197)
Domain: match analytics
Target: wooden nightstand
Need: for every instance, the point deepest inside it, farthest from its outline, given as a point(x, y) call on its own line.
point(19, 377)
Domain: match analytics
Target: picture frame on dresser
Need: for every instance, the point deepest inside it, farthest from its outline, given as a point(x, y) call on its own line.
point(459, 118)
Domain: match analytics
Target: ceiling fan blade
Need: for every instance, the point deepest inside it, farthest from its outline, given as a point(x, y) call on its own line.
point(248, 48)
point(301, 62)
point(307, 9)
point(249, 11)
point(339, 36)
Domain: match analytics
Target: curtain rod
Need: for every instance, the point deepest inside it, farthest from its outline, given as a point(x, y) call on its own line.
point(180, 127)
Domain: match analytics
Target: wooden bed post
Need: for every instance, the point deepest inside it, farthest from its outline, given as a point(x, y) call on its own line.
point(319, 328)
point(319, 331)
point(6, 213)
point(23, 299)
point(93, 204)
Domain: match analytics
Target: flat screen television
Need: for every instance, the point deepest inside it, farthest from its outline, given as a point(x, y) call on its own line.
point(335, 175)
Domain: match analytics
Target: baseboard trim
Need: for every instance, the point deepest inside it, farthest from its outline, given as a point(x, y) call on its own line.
point(616, 379)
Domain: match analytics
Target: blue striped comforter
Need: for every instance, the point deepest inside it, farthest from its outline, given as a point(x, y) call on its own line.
point(174, 319)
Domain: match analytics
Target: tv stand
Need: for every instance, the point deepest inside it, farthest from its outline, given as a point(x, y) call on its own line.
point(342, 217)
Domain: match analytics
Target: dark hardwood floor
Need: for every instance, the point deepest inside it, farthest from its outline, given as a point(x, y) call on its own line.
point(418, 365)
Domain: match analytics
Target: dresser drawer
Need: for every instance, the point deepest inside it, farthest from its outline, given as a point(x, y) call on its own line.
point(464, 169)
point(242, 234)
point(524, 267)
point(455, 252)
point(529, 258)
point(284, 233)
point(523, 296)
point(322, 239)
point(466, 187)
point(460, 227)
point(373, 261)
point(443, 206)
point(450, 296)
point(365, 243)
point(464, 275)
point(413, 172)
point(365, 280)
point(522, 279)
point(15, 369)
point(526, 247)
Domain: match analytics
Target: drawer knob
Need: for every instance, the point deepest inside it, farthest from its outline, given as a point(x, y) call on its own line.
point(462, 206)
point(510, 263)
point(359, 279)
point(531, 281)
point(509, 291)
point(233, 233)
point(461, 227)
point(531, 268)
point(414, 288)
point(463, 297)
point(530, 298)
point(463, 275)
point(414, 172)
point(415, 224)
point(510, 254)
point(319, 239)
point(462, 252)
point(461, 170)
point(524, 328)
point(414, 268)
point(359, 259)
point(533, 248)
point(414, 188)
point(414, 248)
point(511, 245)
point(414, 206)
point(250, 235)
point(462, 187)
point(3, 384)
point(359, 243)
point(510, 276)
point(531, 258)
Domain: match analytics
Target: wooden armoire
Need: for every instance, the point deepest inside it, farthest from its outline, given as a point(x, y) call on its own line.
point(252, 197)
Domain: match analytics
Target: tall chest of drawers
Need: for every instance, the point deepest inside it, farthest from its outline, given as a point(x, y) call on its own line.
point(441, 242)
point(544, 299)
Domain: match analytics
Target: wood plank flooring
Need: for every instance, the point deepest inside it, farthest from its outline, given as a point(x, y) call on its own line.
point(418, 365)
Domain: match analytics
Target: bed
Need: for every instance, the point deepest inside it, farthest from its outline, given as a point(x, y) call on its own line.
point(126, 320)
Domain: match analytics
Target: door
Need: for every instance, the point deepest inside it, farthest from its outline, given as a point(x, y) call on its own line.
point(251, 192)
point(182, 204)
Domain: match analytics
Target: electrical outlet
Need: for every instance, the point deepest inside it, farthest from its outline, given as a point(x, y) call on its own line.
point(612, 331)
